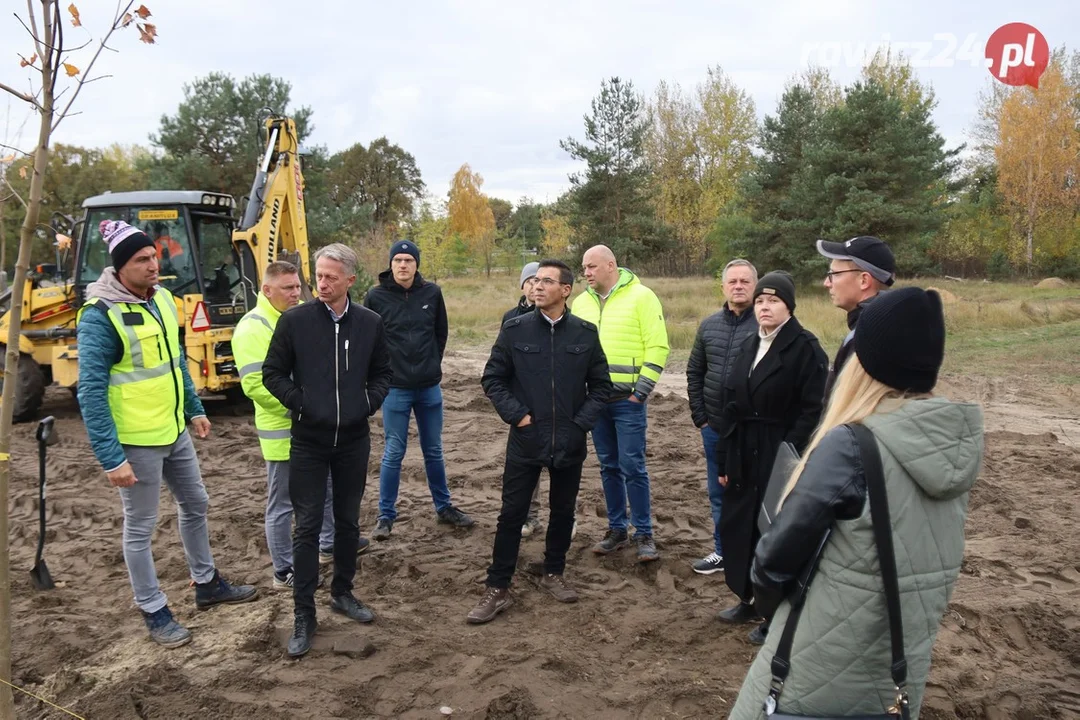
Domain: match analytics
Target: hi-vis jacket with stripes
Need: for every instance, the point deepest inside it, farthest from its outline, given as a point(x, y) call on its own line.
point(134, 386)
point(632, 333)
point(251, 340)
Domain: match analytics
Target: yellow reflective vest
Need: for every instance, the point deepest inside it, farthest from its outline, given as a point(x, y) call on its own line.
point(146, 388)
point(251, 340)
point(632, 333)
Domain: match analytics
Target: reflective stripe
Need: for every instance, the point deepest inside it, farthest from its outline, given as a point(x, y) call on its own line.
point(143, 373)
point(646, 383)
point(275, 434)
point(624, 387)
point(250, 368)
point(133, 340)
point(260, 318)
point(654, 368)
point(624, 369)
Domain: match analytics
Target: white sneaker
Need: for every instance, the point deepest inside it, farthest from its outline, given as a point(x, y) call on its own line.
point(711, 563)
point(531, 525)
point(283, 583)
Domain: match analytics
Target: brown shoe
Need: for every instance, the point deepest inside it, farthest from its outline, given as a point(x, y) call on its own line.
point(495, 600)
point(558, 588)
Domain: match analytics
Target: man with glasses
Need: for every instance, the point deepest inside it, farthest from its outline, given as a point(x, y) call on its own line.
point(548, 379)
point(861, 268)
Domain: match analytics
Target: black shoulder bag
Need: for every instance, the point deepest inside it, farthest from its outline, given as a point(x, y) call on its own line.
point(879, 513)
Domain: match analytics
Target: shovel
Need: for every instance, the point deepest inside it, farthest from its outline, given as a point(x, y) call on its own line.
point(39, 574)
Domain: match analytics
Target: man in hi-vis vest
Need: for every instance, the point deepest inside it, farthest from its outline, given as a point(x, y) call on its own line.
point(135, 394)
point(273, 422)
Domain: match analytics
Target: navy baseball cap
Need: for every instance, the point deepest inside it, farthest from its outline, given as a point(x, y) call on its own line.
point(869, 254)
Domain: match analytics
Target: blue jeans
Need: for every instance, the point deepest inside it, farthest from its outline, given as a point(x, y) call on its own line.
point(427, 405)
point(712, 479)
point(619, 439)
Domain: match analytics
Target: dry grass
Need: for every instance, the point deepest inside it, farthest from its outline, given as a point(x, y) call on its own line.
point(976, 313)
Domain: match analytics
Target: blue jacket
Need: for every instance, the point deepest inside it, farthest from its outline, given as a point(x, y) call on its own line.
point(99, 349)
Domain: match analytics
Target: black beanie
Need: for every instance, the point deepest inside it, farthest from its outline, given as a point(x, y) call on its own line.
point(900, 338)
point(407, 247)
point(777, 283)
point(123, 240)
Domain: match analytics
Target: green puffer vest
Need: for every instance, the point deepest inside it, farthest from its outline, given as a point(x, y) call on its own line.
point(931, 450)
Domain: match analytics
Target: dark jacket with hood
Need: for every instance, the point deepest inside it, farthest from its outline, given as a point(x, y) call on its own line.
point(558, 374)
point(715, 348)
point(332, 375)
point(780, 401)
point(416, 328)
point(523, 306)
point(846, 347)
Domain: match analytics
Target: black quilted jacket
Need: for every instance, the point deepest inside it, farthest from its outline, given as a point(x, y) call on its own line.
point(715, 348)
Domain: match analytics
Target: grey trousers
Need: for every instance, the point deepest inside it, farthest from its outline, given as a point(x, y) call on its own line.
point(279, 516)
point(534, 505)
point(178, 465)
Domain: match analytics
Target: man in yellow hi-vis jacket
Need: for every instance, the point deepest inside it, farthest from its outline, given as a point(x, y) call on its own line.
point(273, 423)
point(634, 338)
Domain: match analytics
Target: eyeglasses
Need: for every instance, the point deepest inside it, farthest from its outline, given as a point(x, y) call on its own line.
point(548, 282)
point(833, 273)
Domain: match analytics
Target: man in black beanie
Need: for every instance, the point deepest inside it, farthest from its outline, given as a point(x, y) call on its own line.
point(414, 317)
point(861, 268)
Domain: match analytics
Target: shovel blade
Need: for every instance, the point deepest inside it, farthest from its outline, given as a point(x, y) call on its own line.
point(40, 577)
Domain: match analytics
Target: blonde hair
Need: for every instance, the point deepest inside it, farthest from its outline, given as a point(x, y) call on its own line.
point(855, 397)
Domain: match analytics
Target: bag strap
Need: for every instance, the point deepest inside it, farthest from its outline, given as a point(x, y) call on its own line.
point(874, 473)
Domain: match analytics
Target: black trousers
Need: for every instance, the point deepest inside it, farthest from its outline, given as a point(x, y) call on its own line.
point(519, 482)
point(309, 464)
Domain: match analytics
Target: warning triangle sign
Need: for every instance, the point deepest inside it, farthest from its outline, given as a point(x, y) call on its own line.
point(200, 319)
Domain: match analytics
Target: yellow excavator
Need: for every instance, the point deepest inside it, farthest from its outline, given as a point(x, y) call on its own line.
point(213, 266)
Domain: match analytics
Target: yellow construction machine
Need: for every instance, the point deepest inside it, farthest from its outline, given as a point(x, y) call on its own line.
point(212, 265)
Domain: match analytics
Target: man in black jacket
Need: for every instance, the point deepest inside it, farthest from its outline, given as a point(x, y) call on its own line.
point(861, 268)
point(715, 348)
point(328, 364)
point(414, 318)
point(548, 379)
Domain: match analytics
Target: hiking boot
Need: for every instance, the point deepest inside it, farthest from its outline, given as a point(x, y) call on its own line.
point(219, 591)
point(352, 608)
point(757, 635)
point(646, 549)
point(613, 540)
point(382, 530)
point(557, 587)
point(286, 581)
point(164, 630)
point(495, 600)
point(303, 631)
point(741, 613)
point(711, 563)
point(531, 526)
point(452, 516)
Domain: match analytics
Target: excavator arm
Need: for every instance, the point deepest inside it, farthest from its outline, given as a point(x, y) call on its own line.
point(274, 226)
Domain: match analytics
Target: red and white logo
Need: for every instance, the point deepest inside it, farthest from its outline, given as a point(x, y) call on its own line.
point(1017, 54)
point(200, 319)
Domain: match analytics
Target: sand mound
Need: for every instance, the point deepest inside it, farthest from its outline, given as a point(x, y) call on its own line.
point(643, 642)
point(1051, 283)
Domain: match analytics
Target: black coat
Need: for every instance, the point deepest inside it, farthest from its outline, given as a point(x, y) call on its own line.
point(523, 307)
point(416, 328)
point(716, 346)
point(332, 379)
point(780, 401)
point(557, 374)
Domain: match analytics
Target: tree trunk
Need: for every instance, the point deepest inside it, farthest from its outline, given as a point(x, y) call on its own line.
point(11, 367)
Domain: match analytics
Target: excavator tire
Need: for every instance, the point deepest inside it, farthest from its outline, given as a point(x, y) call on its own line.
point(30, 389)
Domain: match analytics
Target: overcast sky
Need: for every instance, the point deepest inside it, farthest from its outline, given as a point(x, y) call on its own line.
point(498, 84)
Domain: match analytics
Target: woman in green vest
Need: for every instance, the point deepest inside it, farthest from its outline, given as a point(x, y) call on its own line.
point(931, 450)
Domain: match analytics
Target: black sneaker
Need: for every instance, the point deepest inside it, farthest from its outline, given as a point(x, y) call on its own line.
point(711, 563)
point(741, 613)
point(352, 608)
point(757, 635)
point(452, 516)
point(646, 549)
point(303, 631)
point(218, 591)
point(382, 530)
point(613, 540)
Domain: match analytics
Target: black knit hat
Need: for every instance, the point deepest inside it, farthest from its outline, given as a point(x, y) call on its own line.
point(406, 247)
point(777, 283)
point(900, 338)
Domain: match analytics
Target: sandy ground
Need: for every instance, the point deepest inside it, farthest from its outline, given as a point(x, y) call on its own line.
point(642, 643)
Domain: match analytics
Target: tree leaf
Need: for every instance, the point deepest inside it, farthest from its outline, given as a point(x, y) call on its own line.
point(74, 15)
point(63, 242)
point(71, 70)
point(147, 33)
point(7, 159)
point(24, 62)
point(22, 172)
point(128, 17)
point(143, 12)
